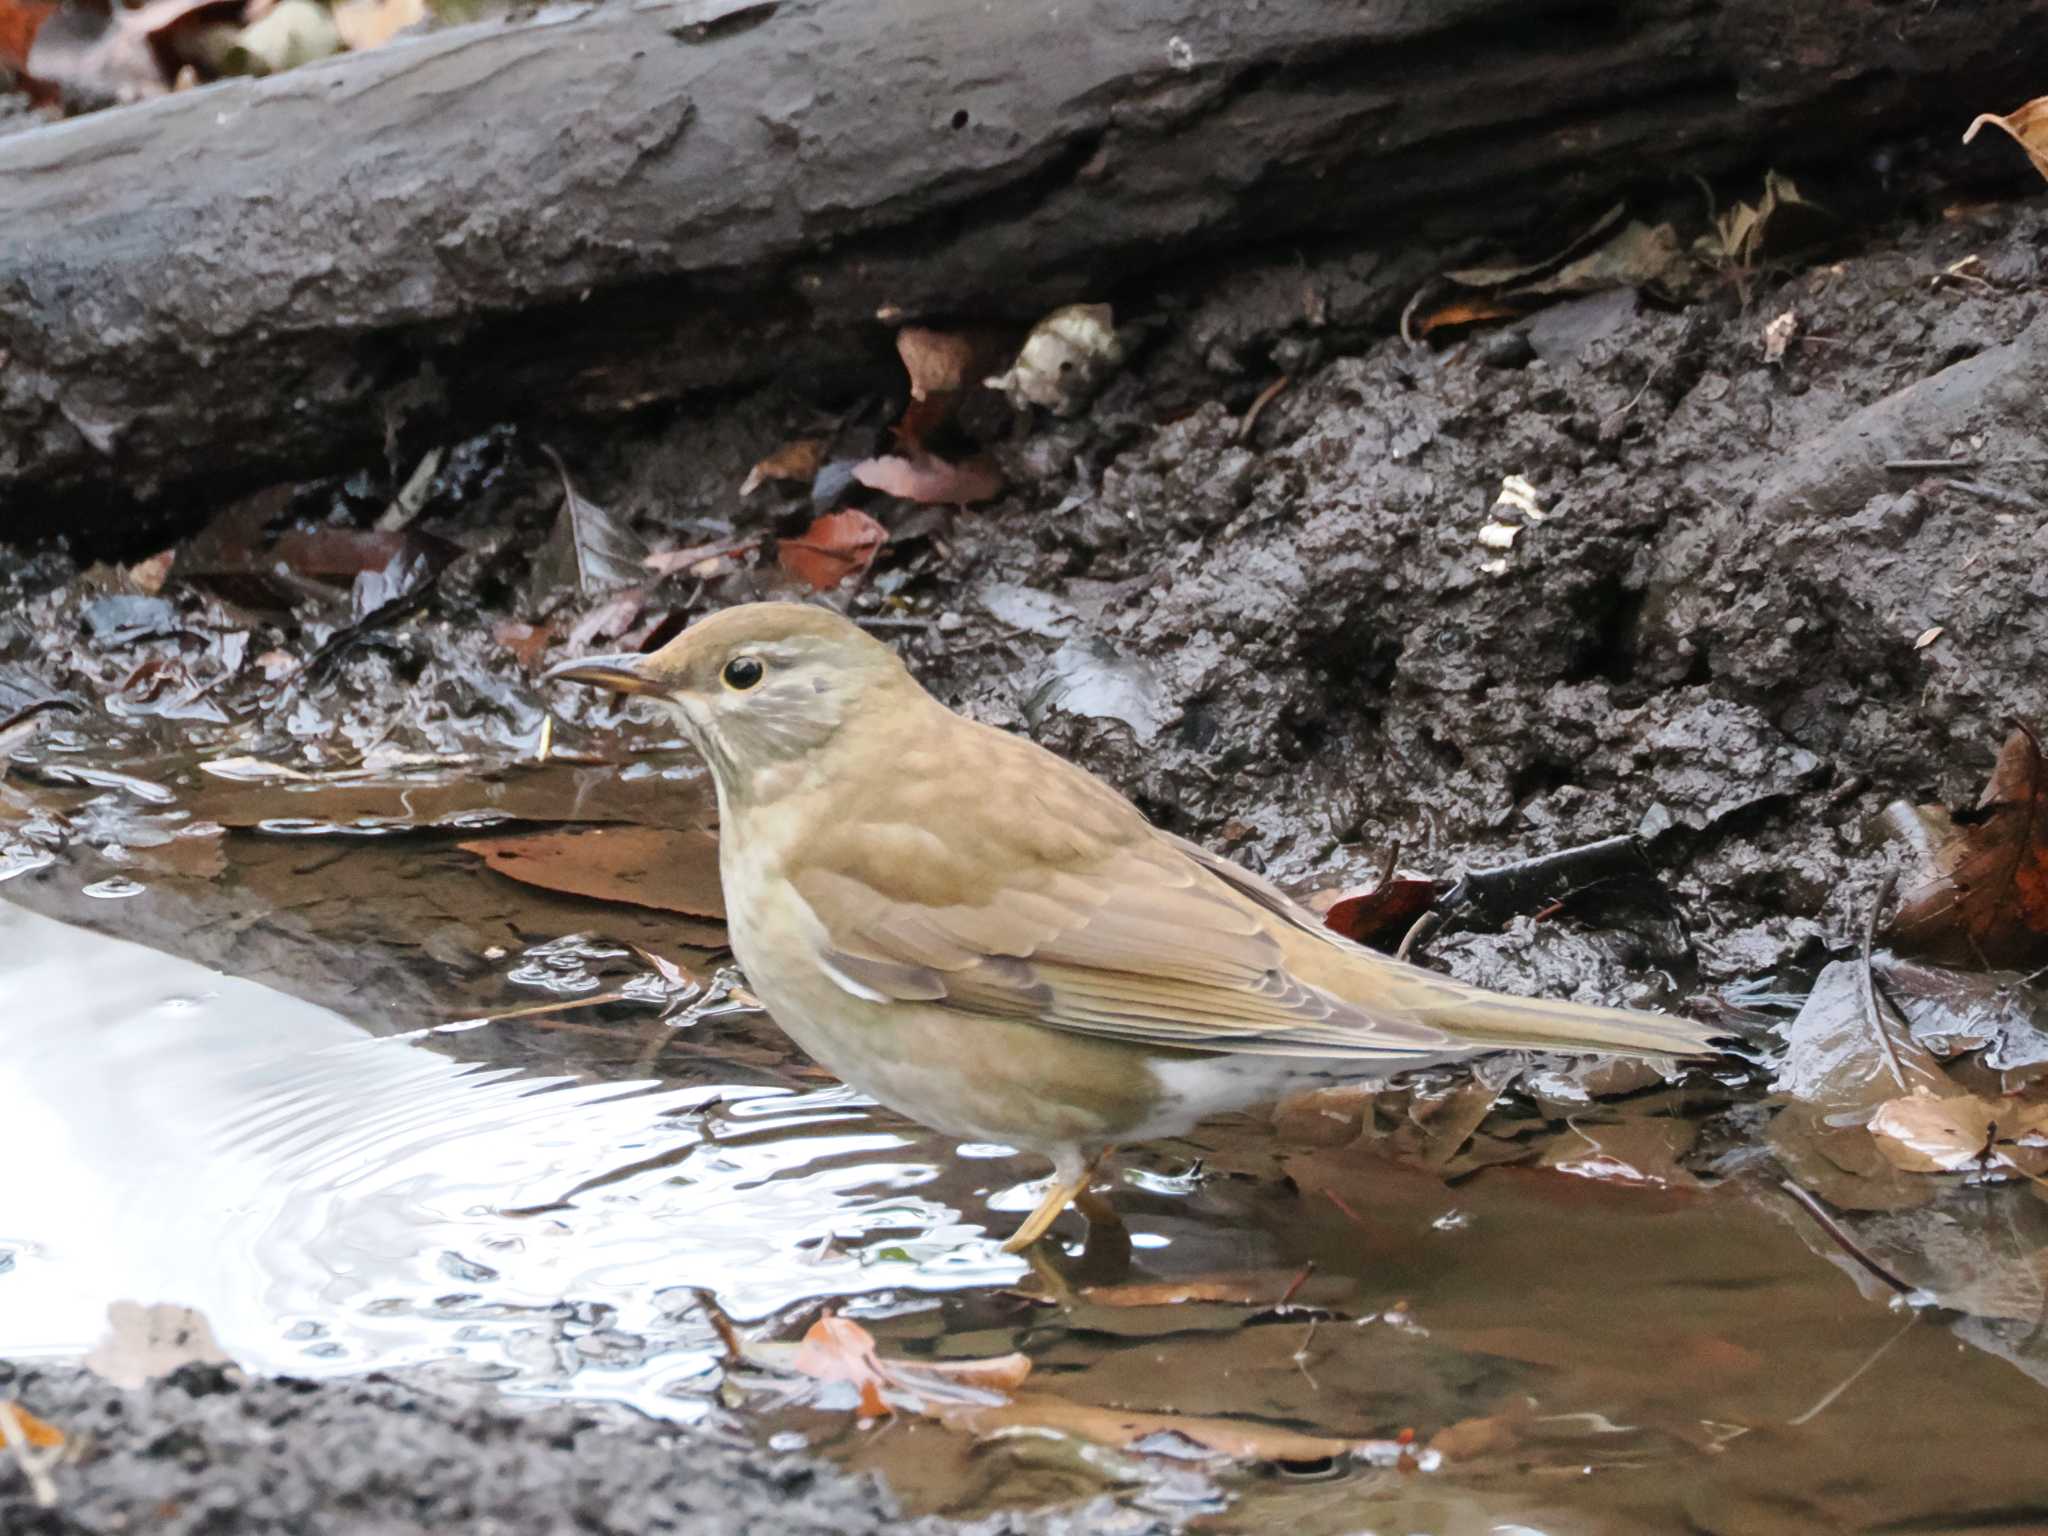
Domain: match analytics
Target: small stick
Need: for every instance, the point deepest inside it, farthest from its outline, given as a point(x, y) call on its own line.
point(1296, 1283)
point(1418, 933)
point(1870, 1008)
point(35, 1465)
point(1829, 1225)
point(1908, 466)
point(1251, 415)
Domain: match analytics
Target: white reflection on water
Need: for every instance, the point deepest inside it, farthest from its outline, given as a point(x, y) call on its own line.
point(338, 1203)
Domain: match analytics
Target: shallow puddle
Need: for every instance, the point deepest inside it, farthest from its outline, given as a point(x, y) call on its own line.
point(244, 1072)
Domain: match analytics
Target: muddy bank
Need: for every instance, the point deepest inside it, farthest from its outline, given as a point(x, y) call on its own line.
point(207, 1451)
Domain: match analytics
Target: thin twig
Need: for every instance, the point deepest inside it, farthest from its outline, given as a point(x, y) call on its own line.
point(1854, 1376)
point(1418, 933)
point(1870, 1008)
point(1847, 1244)
point(35, 1464)
point(1909, 466)
point(1265, 398)
point(1294, 1285)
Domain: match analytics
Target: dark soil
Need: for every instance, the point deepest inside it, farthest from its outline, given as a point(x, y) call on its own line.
point(207, 1452)
point(1287, 644)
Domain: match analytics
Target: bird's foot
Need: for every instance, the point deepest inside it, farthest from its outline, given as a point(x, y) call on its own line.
point(1064, 1190)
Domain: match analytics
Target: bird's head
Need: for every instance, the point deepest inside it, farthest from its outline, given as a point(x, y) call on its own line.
point(760, 689)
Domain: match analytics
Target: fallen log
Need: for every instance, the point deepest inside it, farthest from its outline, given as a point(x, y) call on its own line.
point(599, 207)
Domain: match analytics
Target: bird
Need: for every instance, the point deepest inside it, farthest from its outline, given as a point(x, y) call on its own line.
point(987, 938)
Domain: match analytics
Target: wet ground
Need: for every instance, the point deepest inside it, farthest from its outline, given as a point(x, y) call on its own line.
point(287, 1052)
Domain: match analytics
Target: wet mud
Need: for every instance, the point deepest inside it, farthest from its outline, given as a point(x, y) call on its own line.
point(1758, 601)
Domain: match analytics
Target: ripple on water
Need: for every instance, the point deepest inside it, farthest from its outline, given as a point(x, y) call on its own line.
point(335, 1202)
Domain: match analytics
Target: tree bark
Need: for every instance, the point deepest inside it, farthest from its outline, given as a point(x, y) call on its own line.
point(602, 207)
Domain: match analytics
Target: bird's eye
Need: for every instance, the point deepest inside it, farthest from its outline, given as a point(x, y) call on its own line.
point(742, 673)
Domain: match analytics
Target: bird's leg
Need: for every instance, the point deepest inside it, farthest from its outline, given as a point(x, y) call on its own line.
point(1070, 1180)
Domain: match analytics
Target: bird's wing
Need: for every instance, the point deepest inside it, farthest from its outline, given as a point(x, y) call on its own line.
point(1049, 898)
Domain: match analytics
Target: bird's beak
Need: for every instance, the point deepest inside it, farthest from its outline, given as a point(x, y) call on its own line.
point(621, 673)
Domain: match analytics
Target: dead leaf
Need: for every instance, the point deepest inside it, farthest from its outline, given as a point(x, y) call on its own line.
point(1778, 335)
point(373, 23)
point(922, 477)
point(19, 22)
point(1779, 219)
point(1985, 901)
point(291, 33)
point(1254, 1288)
point(1501, 276)
point(148, 576)
point(1925, 1134)
point(938, 362)
point(1066, 358)
point(1465, 312)
point(526, 642)
point(659, 867)
point(144, 1343)
point(1379, 914)
point(331, 554)
point(834, 547)
point(37, 1434)
point(795, 460)
point(699, 559)
point(115, 56)
point(1231, 1439)
point(590, 550)
point(839, 1349)
point(1637, 1151)
point(2028, 126)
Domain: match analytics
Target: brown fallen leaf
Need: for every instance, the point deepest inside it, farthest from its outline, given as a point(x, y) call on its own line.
point(1379, 914)
point(667, 869)
point(1230, 1439)
point(922, 477)
point(373, 23)
point(797, 459)
point(1644, 1151)
point(698, 559)
point(2028, 126)
point(38, 1434)
point(839, 1349)
point(1925, 1134)
point(1985, 900)
point(834, 547)
point(1464, 312)
point(1254, 1288)
point(19, 22)
point(526, 642)
point(118, 55)
point(938, 362)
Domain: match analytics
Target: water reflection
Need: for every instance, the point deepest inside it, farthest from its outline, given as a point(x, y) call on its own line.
point(336, 1203)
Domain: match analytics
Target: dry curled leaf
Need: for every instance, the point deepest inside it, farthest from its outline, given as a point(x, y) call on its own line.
point(2028, 126)
point(834, 547)
point(589, 550)
point(938, 362)
point(1985, 899)
point(1378, 914)
point(922, 477)
point(797, 459)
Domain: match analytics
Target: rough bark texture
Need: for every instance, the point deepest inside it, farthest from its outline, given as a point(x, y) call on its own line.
point(602, 207)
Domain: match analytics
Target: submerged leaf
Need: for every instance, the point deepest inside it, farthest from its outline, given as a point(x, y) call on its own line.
point(659, 867)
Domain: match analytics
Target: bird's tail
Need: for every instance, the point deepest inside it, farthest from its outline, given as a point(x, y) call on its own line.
point(1500, 1021)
